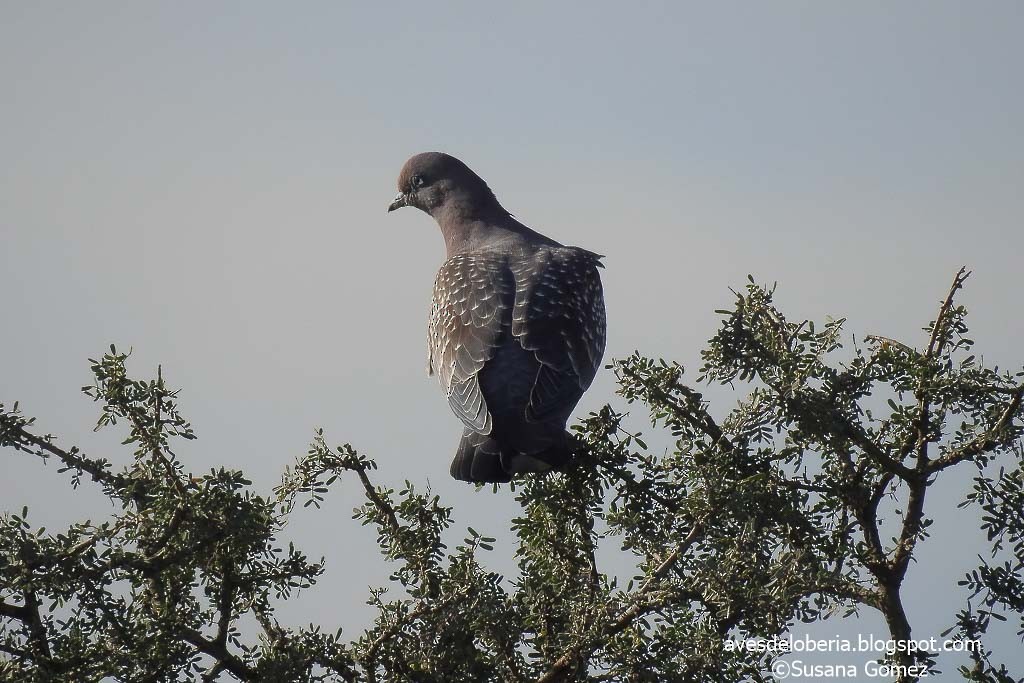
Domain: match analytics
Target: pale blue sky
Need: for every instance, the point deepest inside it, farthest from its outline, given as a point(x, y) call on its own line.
point(207, 183)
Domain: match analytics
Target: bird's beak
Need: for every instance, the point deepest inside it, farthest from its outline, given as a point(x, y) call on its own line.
point(401, 200)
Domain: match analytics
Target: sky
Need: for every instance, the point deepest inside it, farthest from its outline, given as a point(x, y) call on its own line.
point(207, 184)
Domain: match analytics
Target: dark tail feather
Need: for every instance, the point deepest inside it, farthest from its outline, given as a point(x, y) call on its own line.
point(481, 459)
point(478, 460)
point(555, 457)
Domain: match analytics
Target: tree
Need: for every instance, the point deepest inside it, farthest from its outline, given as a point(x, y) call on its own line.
point(757, 519)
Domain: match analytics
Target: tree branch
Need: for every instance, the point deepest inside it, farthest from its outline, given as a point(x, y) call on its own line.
point(911, 529)
point(219, 653)
point(224, 603)
point(39, 639)
point(369, 658)
point(936, 343)
point(947, 304)
point(860, 439)
point(703, 421)
point(626, 616)
point(983, 443)
point(25, 441)
point(13, 611)
point(375, 498)
point(153, 441)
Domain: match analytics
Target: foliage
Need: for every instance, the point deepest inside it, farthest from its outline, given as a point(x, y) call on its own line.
point(766, 516)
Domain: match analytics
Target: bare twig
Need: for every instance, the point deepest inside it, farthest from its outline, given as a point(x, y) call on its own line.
point(936, 343)
point(947, 304)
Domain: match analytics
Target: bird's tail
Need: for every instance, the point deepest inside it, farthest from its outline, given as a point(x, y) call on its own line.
point(481, 459)
point(478, 460)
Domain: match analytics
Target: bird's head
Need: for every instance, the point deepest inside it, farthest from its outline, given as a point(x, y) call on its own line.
point(435, 181)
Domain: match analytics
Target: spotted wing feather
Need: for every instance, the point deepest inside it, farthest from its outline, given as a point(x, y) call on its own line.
point(559, 315)
point(473, 296)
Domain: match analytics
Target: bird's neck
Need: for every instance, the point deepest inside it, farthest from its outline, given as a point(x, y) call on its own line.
point(494, 232)
point(467, 227)
point(466, 236)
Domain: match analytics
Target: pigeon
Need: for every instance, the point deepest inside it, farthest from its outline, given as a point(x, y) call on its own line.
point(517, 324)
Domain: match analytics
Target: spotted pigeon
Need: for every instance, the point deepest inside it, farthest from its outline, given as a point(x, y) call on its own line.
point(517, 324)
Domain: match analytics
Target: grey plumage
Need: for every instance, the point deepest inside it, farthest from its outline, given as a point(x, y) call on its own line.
point(517, 324)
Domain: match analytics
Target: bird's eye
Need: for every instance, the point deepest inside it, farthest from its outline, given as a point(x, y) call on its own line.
point(417, 181)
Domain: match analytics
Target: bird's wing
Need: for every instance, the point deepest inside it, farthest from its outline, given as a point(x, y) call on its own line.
point(473, 297)
point(559, 315)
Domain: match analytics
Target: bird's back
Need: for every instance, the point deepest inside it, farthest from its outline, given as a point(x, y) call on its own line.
point(516, 336)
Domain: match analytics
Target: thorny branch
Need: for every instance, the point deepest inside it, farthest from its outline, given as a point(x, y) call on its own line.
point(579, 655)
point(861, 467)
